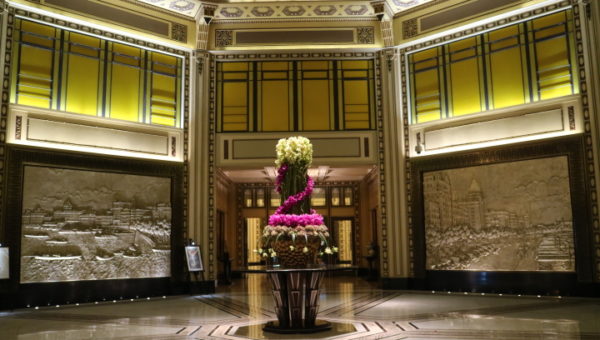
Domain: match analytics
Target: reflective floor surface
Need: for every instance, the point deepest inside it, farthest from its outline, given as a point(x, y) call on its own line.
point(356, 309)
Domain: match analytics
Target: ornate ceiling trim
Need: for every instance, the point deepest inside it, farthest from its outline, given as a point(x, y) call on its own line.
point(281, 9)
point(148, 5)
point(188, 8)
point(293, 20)
point(288, 10)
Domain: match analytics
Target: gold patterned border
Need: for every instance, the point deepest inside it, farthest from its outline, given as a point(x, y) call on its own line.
point(212, 139)
point(407, 165)
point(279, 11)
point(214, 57)
point(359, 35)
point(419, 7)
point(7, 13)
point(174, 30)
point(293, 55)
point(381, 164)
point(588, 139)
point(157, 9)
point(411, 27)
point(490, 25)
point(96, 31)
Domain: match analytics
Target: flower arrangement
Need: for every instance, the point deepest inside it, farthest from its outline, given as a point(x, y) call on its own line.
point(295, 232)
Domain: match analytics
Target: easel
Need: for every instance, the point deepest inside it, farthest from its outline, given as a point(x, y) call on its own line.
point(195, 266)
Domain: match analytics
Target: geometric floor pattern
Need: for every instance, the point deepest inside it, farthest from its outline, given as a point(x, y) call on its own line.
point(356, 309)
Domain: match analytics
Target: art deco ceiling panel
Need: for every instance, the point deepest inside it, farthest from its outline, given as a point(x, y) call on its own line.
point(281, 9)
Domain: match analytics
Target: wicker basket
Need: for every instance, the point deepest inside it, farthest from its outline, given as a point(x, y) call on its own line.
point(296, 258)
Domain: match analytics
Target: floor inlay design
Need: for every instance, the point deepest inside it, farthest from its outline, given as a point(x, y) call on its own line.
point(356, 310)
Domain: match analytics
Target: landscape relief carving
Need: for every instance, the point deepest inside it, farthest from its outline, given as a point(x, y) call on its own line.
point(88, 225)
point(513, 216)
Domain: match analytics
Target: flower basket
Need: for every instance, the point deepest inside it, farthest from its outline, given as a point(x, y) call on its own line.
point(299, 253)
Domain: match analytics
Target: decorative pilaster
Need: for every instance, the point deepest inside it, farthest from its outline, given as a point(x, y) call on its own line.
point(395, 236)
point(6, 42)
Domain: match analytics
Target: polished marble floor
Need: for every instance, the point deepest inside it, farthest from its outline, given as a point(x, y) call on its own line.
point(355, 307)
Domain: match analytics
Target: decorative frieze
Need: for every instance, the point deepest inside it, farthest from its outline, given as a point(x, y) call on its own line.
point(179, 32)
point(365, 35)
point(223, 38)
point(410, 28)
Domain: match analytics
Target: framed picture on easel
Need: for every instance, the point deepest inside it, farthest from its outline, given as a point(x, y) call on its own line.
point(194, 259)
point(4, 273)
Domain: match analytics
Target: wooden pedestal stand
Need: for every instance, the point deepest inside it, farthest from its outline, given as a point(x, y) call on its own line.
point(296, 294)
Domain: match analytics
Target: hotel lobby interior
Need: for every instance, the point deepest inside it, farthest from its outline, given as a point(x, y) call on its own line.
point(452, 175)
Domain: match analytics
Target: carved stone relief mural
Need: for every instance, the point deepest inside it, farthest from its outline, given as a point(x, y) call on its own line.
point(513, 216)
point(88, 225)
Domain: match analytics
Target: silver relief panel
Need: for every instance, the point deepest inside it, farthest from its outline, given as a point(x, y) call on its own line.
point(513, 216)
point(91, 225)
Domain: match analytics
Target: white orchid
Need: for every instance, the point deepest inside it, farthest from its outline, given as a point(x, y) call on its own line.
point(294, 150)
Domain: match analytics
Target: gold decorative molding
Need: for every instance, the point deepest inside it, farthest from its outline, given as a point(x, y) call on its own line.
point(7, 31)
point(365, 35)
point(223, 38)
point(179, 32)
point(490, 25)
point(360, 35)
point(202, 36)
point(96, 31)
point(387, 33)
point(294, 10)
point(293, 55)
point(188, 8)
point(141, 20)
point(449, 14)
point(410, 28)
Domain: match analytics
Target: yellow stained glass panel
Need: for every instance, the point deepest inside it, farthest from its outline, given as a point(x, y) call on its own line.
point(82, 85)
point(163, 101)
point(35, 78)
point(427, 96)
point(506, 68)
point(275, 105)
point(315, 105)
point(235, 114)
point(235, 66)
point(466, 97)
point(125, 92)
point(355, 64)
